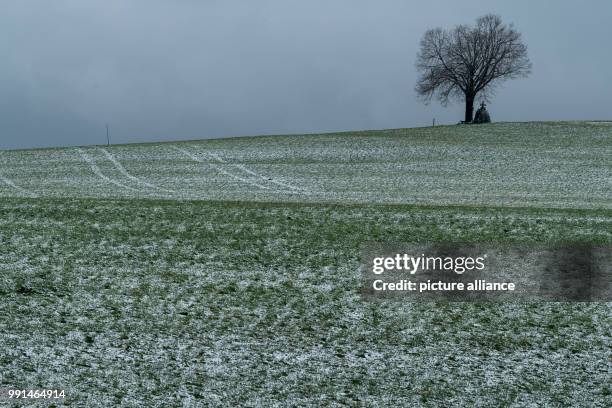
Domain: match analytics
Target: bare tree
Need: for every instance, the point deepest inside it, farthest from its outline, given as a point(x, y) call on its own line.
point(467, 61)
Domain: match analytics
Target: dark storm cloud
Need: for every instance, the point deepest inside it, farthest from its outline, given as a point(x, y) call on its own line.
point(160, 70)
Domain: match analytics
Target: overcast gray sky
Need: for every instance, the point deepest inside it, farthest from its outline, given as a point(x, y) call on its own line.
point(164, 70)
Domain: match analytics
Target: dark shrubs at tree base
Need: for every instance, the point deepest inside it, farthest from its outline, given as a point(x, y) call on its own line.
point(481, 116)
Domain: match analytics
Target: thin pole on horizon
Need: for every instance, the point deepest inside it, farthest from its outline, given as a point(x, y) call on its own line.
point(107, 138)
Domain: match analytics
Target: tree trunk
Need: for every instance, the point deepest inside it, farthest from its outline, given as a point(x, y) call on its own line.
point(469, 108)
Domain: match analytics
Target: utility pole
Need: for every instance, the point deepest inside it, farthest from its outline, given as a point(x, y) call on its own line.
point(107, 138)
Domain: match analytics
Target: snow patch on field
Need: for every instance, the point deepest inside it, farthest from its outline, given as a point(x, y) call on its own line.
point(16, 187)
point(251, 172)
point(537, 165)
point(98, 172)
point(218, 168)
point(191, 303)
point(123, 171)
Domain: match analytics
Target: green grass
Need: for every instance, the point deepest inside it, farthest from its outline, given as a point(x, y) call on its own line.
point(539, 165)
point(223, 293)
point(156, 302)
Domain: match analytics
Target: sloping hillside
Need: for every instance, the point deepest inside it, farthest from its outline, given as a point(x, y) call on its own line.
point(563, 165)
point(127, 283)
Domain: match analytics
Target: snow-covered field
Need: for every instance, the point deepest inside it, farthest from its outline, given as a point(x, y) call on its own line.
point(561, 165)
point(225, 272)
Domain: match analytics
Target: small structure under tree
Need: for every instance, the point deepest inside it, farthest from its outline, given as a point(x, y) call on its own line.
point(482, 115)
point(468, 61)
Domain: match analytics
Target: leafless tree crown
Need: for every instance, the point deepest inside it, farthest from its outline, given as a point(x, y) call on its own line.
point(466, 61)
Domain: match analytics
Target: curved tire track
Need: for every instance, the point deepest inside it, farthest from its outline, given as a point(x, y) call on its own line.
point(251, 172)
point(16, 187)
point(218, 168)
point(123, 171)
point(98, 172)
point(22, 190)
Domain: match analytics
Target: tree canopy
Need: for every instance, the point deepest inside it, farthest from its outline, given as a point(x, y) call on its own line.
point(468, 61)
